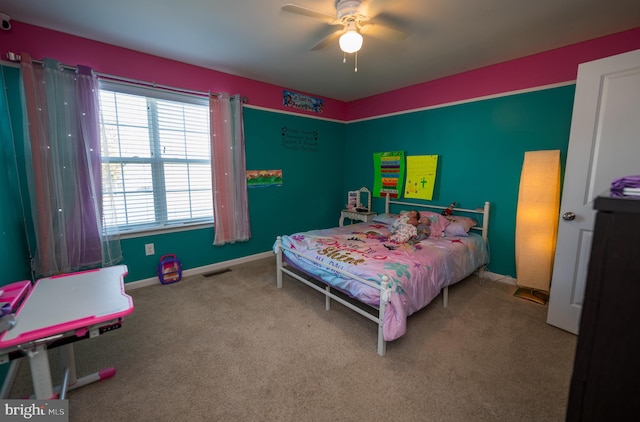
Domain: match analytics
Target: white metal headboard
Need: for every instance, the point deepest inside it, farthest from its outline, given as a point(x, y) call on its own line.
point(484, 228)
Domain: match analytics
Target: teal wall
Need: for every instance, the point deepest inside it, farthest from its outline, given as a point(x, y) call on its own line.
point(480, 147)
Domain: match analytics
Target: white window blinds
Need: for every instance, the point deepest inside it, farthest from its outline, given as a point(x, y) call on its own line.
point(156, 161)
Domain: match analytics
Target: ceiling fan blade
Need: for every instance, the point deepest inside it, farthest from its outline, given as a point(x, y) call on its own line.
point(382, 31)
point(373, 8)
point(328, 40)
point(301, 10)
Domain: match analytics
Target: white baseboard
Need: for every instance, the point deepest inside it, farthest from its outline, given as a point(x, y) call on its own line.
point(501, 278)
point(201, 270)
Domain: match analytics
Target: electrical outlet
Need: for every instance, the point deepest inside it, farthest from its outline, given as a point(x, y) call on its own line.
point(149, 249)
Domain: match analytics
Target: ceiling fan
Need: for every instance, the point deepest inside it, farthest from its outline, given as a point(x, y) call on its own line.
point(354, 18)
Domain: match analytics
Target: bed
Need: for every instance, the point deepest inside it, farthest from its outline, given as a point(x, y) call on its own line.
point(357, 264)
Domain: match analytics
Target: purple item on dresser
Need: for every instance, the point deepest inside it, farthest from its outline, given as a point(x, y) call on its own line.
point(618, 185)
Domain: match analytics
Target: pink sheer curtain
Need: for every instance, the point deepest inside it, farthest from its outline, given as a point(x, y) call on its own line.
point(228, 170)
point(62, 157)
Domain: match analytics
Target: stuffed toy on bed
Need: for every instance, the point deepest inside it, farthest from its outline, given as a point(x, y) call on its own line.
point(447, 211)
point(423, 228)
point(405, 231)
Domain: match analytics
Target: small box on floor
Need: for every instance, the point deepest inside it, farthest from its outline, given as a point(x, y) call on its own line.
point(169, 269)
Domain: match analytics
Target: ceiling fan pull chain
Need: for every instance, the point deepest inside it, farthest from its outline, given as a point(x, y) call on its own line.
point(356, 68)
point(344, 59)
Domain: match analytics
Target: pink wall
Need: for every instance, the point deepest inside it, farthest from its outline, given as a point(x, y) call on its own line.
point(104, 58)
point(551, 67)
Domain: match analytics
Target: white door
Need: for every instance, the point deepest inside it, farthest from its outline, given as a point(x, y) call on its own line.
point(604, 144)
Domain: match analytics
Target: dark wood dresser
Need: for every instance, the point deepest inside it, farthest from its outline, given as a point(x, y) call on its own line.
point(605, 385)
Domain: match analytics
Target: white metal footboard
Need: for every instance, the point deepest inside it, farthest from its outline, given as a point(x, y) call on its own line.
point(384, 288)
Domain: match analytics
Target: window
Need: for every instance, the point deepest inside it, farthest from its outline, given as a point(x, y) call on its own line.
point(156, 161)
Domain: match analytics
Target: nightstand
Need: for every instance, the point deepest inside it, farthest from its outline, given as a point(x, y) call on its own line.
point(356, 216)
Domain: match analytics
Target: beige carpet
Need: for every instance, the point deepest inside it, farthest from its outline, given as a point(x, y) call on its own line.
point(232, 347)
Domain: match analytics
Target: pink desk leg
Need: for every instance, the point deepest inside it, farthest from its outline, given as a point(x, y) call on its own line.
point(91, 378)
point(41, 373)
point(68, 361)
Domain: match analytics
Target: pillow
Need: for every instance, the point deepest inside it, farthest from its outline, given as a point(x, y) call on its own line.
point(385, 218)
point(465, 222)
point(455, 229)
point(459, 226)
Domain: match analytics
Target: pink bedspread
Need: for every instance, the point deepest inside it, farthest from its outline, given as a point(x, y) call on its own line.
point(418, 272)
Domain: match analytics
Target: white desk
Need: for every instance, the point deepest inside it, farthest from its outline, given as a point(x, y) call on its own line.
point(60, 310)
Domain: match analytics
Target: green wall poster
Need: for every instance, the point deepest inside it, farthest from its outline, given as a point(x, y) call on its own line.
point(388, 173)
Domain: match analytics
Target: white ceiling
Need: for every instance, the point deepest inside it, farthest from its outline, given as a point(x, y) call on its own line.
point(256, 39)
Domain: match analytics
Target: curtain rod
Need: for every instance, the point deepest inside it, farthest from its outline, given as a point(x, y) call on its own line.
point(140, 82)
point(160, 86)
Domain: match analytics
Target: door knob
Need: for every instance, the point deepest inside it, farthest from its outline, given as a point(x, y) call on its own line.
point(568, 216)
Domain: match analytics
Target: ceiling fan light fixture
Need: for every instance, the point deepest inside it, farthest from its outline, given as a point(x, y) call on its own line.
point(350, 41)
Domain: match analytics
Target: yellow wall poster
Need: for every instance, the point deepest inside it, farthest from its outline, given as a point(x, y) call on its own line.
point(421, 176)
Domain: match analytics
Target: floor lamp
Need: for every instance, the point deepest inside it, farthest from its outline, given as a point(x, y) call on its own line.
point(537, 224)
